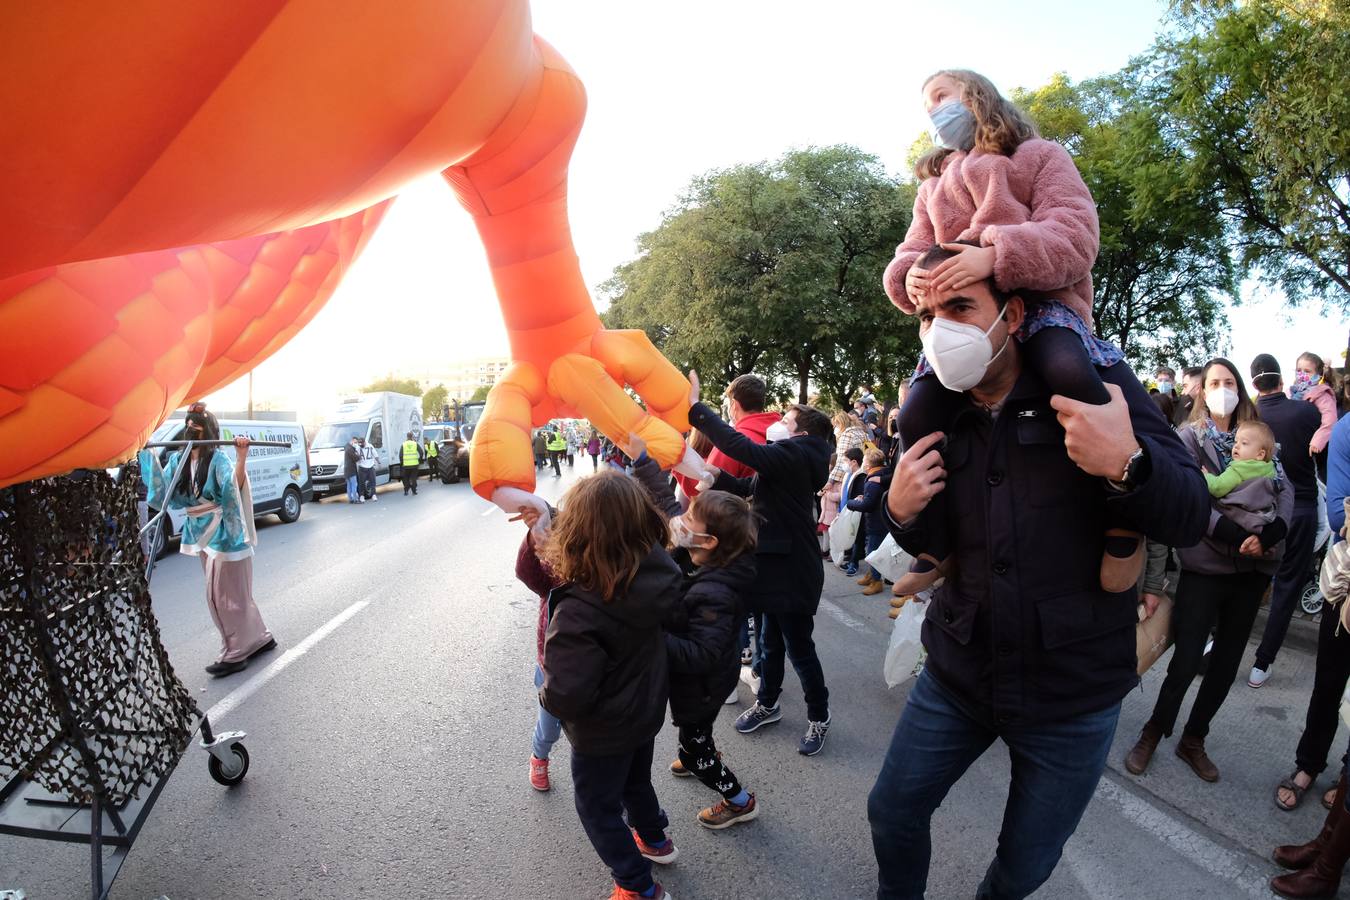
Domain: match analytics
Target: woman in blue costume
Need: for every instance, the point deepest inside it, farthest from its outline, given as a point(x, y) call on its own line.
point(216, 496)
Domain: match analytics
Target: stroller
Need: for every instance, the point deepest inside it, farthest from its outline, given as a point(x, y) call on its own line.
point(1311, 598)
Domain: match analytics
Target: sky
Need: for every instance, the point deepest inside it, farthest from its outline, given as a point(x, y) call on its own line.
point(675, 90)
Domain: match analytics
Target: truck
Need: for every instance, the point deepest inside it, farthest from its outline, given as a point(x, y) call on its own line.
point(383, 419)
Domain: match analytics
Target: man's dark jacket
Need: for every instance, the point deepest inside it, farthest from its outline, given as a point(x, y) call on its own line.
point(1294, 423)
point(783, 491)
point(605, 662)
point(350, 457)
point(874, 521)
point(1022, 632)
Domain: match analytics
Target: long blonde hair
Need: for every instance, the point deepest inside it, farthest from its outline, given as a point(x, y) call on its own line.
point(605, 529)
point(1000, 127)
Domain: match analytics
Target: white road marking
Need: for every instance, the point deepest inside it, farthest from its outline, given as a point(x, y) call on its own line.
point(844, 618)
point(1233, 868)
point(231, 701)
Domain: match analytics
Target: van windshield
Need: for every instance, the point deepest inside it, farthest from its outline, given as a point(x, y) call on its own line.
point(338, 434)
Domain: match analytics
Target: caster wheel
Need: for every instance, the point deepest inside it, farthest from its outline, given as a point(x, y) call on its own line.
point(230, 774)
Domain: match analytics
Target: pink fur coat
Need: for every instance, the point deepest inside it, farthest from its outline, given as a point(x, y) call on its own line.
point(1032, 208)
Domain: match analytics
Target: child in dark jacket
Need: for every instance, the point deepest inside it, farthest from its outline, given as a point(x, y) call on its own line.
point(873, 518)
point(718, 532)
point(605, 666)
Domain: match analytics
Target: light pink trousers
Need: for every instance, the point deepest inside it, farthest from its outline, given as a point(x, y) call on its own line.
point(229, 596)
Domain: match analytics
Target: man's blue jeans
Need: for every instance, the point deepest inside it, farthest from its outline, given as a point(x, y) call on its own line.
point(351, 489)
point(1055, 769)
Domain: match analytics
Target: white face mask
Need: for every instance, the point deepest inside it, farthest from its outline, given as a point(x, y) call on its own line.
point(959, 353)
point(1221, 401)
point(777, 432)
point(1164, 386)
point(682, 536)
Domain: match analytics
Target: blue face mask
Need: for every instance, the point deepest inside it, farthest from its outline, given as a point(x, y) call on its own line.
point(953, 126)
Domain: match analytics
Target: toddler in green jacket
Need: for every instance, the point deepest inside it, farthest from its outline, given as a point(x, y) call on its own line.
point(1253, 457)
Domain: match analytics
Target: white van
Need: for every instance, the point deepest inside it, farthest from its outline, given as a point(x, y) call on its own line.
point(278, 476)
point(383, 419)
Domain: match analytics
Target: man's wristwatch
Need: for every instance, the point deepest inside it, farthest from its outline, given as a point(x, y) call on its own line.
point(1133, 472)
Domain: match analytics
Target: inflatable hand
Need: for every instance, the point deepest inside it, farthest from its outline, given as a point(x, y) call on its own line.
point(566, 362)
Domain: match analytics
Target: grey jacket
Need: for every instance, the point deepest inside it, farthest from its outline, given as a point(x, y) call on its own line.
point(1212, 556)
point(1250, 504)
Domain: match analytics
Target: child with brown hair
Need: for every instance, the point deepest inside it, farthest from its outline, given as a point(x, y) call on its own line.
point(1247, 488)
point(1009, 206)
point(718, 532)
point(605, 666)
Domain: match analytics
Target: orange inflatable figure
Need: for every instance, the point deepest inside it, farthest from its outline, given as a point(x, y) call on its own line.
point(183, 185)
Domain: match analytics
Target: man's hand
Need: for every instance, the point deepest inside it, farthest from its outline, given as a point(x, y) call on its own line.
point(1150, 602)
point(241, 444)
point(636, 446)
point(1099, 439)
point(968, 266)
point(1252, 547)
point(919, 476)
point(693, 387)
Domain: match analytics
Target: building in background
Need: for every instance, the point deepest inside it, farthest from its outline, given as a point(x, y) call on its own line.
point(462, 378)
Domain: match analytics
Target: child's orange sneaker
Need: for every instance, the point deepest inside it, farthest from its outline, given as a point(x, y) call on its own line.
point(664, 853)
point(539, 774)
point(622, 893)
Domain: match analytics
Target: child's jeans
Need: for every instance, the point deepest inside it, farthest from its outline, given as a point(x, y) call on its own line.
point(547, 726)
point(606, 788)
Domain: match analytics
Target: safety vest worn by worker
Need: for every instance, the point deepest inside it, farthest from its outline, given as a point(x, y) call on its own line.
point(431, 450)
point(410, 459)
point(556, 442)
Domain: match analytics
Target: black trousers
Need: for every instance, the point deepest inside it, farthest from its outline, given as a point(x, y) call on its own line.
point(1294, 572)
point(365, 482)
point(698, 754)
point(409, 479)
point(1202, 602)
point(553, 457)
point(790, 636)
point(1329, 678)
point(607, 787)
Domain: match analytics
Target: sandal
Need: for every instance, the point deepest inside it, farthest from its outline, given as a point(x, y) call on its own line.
point(1288, 784)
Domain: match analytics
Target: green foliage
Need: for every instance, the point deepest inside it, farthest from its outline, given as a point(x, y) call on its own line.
point(433, 401)
point(1256, 93)
point(1164, 270)
point(480, 394)
point(396, 385)
point(776, 268)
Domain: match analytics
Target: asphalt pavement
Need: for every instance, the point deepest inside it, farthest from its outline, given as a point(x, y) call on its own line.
point(390, 734)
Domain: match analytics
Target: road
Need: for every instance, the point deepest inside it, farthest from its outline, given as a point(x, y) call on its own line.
point(389, 755)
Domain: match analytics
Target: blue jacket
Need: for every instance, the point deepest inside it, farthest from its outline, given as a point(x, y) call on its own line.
point(874, 523)
point(1338, 474)
point(1022, 631)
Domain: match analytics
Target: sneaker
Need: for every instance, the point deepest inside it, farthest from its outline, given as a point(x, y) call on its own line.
point(360, 500)
point(851, 571)
point(750, 679)
point(539, 774)
point(663, 853)
point(747, 656)
point(679, 771)
point(756, 716)
point(374, 497)
point(1258, 677)
point(814, 740)
point(622, 893)
point(733, 697)
point(724, 814)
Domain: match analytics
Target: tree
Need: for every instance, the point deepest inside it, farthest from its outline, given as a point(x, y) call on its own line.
point(1256, 94)
point(433, 402)
point(1164, 268)
point(396, 385)
point(480, 393)
point(776, 268)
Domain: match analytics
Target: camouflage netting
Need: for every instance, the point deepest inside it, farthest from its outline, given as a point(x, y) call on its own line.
point(87, 695)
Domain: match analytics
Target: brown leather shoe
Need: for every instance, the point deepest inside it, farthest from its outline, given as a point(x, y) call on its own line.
point(1191, 750)
point(1323, 877)
point(1136, 761)
point(1301, 856)
point(875, 587)
point(865, 580)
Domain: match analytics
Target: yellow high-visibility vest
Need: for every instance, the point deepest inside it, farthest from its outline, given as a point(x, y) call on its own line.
point(410, 458)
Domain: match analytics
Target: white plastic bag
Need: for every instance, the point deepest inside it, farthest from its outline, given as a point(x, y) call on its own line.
point(843, 531)
point(890, 560)
point(905, 652)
